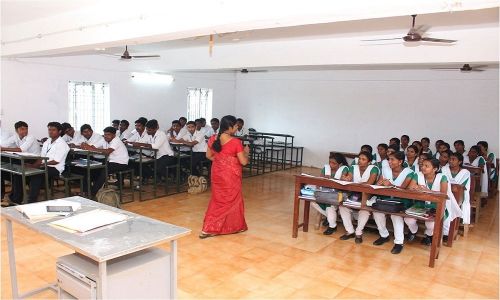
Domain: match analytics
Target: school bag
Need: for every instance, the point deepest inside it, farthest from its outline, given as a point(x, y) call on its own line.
point(109, 196)
point(197, 184)
point(390, 206)
point(329, 196)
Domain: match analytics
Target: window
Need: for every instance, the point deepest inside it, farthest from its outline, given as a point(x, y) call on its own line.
point(89, 104)
point(199, 103)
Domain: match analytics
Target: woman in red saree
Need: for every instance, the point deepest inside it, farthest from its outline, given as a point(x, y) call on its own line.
point(226, 212)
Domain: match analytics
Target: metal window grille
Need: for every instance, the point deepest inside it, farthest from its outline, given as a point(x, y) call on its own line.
point(199, 103)
point(89, 104)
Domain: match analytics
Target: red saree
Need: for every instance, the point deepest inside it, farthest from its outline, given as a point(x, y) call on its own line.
point(226, 212)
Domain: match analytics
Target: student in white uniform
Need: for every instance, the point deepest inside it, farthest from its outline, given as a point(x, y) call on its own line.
point(56, 150)
point(490, 158)
point(477, 160)
point(384, 164)
point(182, 126)
point(459, 146)
point(158, 140)
point(21, 141)
point(458, 175)
point(418, 144)
point(115, 124)
point(90, 138)
point(337, 168)
point(381, 153)
point(117, 157)
point(396, 142)
point(215, 123)
point(241, 130)
point(196, 139)
point(208, 130)
point(175, 130)
point(412, 158)
point(139, 132)
point(405, 141)
point(444, 157)
point(70, 135)
point(425, 141)
point(124, 132)
point(399, 177)
point(438, 144)
point(363, 172)
point(427, 179)
point(364, 148)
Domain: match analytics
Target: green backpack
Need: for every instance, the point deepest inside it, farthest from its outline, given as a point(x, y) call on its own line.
point(109, 196)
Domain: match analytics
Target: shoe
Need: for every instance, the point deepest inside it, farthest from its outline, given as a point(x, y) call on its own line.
point(325, 222)
point(381, 241)
point(358, 239)
point(329, 231)
point(397, 249)
point(204, 235)
point(347, 236)
point(445, 238)
point(410, 236)
point(427, 240)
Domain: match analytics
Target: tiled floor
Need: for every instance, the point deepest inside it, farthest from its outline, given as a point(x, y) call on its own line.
point(266, 262)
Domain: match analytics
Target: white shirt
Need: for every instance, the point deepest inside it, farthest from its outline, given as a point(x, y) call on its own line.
point(56, 151)
point(95, 140)
point(241, 132)
point(136, 137)
point(28, 144)
point(198, 136)
point(184, 136)
point(183, 131)
point(160, 142)
point(76, 139)
point(126, 134)
point(119, 154)
point(209, 131)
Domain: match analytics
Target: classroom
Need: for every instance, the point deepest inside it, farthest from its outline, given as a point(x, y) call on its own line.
point(202, 149)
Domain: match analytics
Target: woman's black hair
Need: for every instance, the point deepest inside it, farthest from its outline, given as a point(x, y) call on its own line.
point(225, 123)
point(399, 155)
point(426, 139)
point(367, 147)
point(414, 149)
point(394, 147)
point(427, 155)
point(460, 158)
point(475, 148)
point(368, 155)
point(446, 144)
point(395, 140)
point(339, 158)
point(483, 143)
point(460, 142)
point(383, 145)
point(435, 163)
point(449, 152)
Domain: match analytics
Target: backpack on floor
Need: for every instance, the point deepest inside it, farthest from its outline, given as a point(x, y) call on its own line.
point(109, 196)
point(197, 184)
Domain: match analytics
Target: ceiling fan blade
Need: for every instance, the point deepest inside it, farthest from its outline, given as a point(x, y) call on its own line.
point(427, 39)
point(480, 66)
point(144, 56)
point(373, 40)
point(257, 71)
point(477, 70)
point(421, 29)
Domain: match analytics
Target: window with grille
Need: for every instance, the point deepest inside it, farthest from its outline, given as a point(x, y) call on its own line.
point(199, 103)
point(89, 104)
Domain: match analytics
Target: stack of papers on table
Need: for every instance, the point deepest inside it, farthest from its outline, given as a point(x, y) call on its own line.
point(352, 203)
point(38, 211)
point(83, 162)
point(90, 220)
point(417, 212)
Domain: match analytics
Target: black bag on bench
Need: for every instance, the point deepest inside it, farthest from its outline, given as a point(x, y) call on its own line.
point(328, 196)
point(390, 206)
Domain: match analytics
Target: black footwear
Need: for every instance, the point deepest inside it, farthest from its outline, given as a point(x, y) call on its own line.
point(358, 239)
point(329, 231)
point(381, 241)
point(325, 222)
point(410, 236)
point(397, 249)
point(347, 236)
point(427, 240)
point(445, 238)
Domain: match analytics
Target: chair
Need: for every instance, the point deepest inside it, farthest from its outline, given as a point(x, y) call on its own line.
point(121, 178)
point(67, 179)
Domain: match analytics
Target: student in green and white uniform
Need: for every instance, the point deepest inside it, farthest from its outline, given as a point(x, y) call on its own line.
point(366, 148)
point(381, 154)
point(429, 179)
point(425, 145)
point(444, 158)
point(458, 175)
point(384, 164)
point(459, 146)
point(478, 161)
point(363, 172)
point(400, 177)
point(418, 145)
point(337, 168)
point(438, 148)
point(412, 158)
point(490, 158)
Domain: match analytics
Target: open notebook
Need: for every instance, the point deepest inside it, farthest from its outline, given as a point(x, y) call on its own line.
point(89, 220)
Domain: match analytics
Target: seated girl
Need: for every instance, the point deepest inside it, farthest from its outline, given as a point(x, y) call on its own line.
point(444, 158)
point(366, 148)
point(337, 168)
point(427, 179)
point(490, 158)
point(381, 153)
point(400, 177)
point(425, 145)
point(363, 172)
point(412, 158)
point(418, 145)
point(458, 175)
point(476, 160)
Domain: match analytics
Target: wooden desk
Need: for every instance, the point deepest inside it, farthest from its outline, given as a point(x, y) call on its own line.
point(366, 190)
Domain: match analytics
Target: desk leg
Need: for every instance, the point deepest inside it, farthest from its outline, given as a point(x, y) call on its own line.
point(436, 235)
point(12, 260)
point(296, 211)
point(103, 281)
point(307, 206)
point(25, 189)
point(173, 269)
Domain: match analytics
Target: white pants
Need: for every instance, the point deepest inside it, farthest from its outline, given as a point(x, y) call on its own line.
point(399, 229)
point(380, 221)
point(330, 213)
point(429, 226)
point(346, 214)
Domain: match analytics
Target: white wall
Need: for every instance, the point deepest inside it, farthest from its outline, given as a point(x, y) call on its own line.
point(341, 110)
point(38, 93)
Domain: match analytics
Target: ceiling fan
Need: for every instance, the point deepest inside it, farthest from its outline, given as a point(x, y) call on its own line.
point(464, 68)
point(415, 35)
point(245, 71)
point(126, 55)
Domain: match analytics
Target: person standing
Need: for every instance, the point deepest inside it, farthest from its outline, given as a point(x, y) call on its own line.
point(225, 213)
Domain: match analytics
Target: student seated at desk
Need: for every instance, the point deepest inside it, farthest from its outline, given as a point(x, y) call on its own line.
point(139, 134)
point(400, 177)
point(182, 126)
point(70, 135)
point(405, 141)
point(159, 141)
point(56, 150)
point(207, 130)
point(443, 146)
point(458, 175)
point(490, 158)
point(124, 132)
point(427, 179)
point(459, 146)
point(215, 125)
point(364, 148)
point(384, 164)
point(90, 138)
point(115, 124)
point(395, 141)
point(477, 160)
point(425, 141)
point(241, 131)
point(21, 141)
point(175, 130)
point(438, 148)
point(381, 153)
point(444, 157)
point(418, 145)
point(143, 120)
point(412, 158)
point(117, 158)
point(337, 168)
point(196, 139)
point(363, 172)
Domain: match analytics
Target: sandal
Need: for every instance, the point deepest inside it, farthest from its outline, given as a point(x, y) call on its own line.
point(204, 235)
